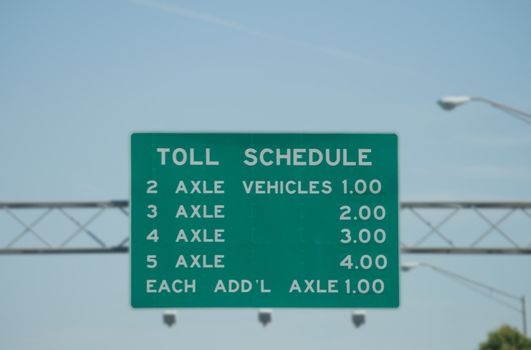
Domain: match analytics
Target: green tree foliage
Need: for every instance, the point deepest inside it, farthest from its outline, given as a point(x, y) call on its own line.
point(506, 338)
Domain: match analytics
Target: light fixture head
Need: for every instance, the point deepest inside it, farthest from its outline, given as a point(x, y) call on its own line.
point(265, 316)
point(450, 102)
point(358, 318)
point(408, 266)
point(169, 317)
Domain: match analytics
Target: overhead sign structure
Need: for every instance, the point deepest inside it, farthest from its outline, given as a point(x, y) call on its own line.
point(264, 220)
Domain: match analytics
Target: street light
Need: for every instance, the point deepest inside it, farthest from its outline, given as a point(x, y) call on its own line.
point(408, 266)
point(449, 103)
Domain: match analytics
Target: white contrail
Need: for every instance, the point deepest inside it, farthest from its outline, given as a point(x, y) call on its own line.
point(190, 14)
point(222, 22)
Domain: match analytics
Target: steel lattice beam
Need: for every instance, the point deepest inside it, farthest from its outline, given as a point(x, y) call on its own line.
point(11, 243)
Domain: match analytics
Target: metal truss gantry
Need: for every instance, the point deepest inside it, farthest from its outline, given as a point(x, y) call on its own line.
point(426, 227)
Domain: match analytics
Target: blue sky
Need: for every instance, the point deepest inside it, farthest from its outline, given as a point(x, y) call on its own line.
point(76, 78)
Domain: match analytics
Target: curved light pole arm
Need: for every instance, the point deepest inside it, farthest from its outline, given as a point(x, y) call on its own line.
point(471, 281)
point(450, 102)
point(501, 106)
point(522, 300)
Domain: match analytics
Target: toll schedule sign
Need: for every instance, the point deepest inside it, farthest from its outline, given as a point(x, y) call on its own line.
point(264, 220)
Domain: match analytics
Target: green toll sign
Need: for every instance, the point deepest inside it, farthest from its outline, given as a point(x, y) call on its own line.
point(264, 220)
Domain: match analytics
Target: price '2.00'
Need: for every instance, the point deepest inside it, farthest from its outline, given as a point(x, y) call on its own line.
point(364, 213)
